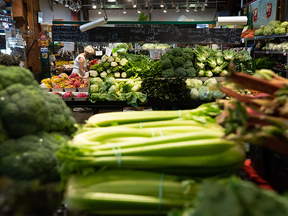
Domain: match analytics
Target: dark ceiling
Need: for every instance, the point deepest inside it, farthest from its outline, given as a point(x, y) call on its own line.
point(221, 4)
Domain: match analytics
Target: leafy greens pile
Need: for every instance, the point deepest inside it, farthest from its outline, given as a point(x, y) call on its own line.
point(165, 89)
point(117, 90)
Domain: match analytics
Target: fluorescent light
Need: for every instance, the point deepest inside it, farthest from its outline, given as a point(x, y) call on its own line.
point(111, 0)
point(162, 4)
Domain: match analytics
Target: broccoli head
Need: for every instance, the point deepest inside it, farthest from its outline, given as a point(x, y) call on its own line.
point(13, 75)
point(177, 52)
point(180, 72)
point(169, 52)
point(168, 73)
point(178, 62)
point(29, 109)
point(164, 56)
point(191, 72)
point(166, 63)
point(188, 51)
point(30, 157)
point(106, 65)
point(188, 64)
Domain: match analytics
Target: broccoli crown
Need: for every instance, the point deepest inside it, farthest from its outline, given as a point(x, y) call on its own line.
point(169, 52)
point(188, 50)
point(177, 52)
point(166, 63)
point(30, 157)
point(186, 56)
point(191, 72)
point(168, 73)
point(178, 62)
point(164, 56)
point(188, 64)
point(13, 75)
point(28, 109)
point(180, 72)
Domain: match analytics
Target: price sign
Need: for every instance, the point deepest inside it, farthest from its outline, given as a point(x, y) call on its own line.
point(99, 53)
point(108, 51)
point(69, 46)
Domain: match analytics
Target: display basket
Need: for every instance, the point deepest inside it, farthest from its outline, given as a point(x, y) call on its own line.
point(80, 99)
point(57, 89)
point(85, 89)
point(47, 89)
point(67, 98)
point(70, 89)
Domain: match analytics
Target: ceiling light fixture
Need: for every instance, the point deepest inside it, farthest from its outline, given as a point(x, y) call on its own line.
point(94, 6)
point(56, 0)
point(66, 4)
point(196, 6)
point(177, 8)
point(203, 7)
point(101, 4)
point(139, 9)
point(206, 3)
point(162, 4)
point(79, 4)
point(100, 11)
point(187, 6)
point(116, 3)
point(124, 11)
point(135, 4)
point(151, 9)
point(165, 9)
point(146, 5)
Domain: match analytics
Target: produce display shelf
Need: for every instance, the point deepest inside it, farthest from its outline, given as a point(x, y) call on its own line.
point(279, 70)
point(271, 52)
point(118, 104)
point(262, 37)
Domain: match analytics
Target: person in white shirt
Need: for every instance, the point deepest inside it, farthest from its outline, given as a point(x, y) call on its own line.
point(80, 63)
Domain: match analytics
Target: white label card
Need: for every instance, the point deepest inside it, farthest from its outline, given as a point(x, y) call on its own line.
point(108, 51)
point(69, 46)
point(99, 53)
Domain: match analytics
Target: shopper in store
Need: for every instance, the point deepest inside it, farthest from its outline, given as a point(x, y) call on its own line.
point(80, 63)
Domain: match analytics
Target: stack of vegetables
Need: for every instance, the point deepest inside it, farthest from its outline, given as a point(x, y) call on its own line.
point(148, 46)
point(9, 60)
point(186, 142)
point(274, 27)
point(203, 91)
point(117, 90)
point(73, 81)
point(249, 33)
point(276, 47)
point(178, 63)
point(261, 119)
point(32, 126)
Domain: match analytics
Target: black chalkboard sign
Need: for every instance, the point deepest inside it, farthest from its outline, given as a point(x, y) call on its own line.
point(147, 34)
point(2, 42)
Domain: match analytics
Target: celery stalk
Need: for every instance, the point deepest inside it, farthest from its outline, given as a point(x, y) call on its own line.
point(187, 148)
point(232, 156)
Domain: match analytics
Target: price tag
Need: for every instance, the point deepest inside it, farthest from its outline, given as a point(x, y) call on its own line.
point(284, 54)
point(243, 40)
point(99, 53)
point(108, 52)
point(244, 29)
point(69, 46)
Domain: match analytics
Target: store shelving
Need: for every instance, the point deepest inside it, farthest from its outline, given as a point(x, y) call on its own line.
point(271, 52)
point(263, 37)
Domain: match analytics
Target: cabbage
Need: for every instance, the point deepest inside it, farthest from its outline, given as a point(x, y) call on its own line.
point(205, 93)
point(110, 81)
point(195, 83)
point(94, 88)
point(210, 81)
point(188, 83)
point(93, 73)
point(194, 94)
point(96, 81)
